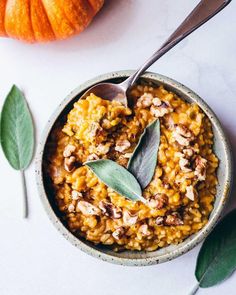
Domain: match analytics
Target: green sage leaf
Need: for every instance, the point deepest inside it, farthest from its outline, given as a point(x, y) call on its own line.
point(17, 131)
point(217, 258)
point(143, 162)
point(118, 178)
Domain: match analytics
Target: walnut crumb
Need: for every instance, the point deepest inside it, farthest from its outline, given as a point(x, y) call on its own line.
point(122, 145)
point(92, 157)
point(110, 210)
point(159, 220)
point(144, 230)
point(201, 166)
point(87, 209)
point(69, 150)
point(69, 163)
point(173, 219)
point(75, 195)
point(118, 233)
point(190, 193)
point(145, 100)
point(160, 108)
point(129, 219)
point(182, 135)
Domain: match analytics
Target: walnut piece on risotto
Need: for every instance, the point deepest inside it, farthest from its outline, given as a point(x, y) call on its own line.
point(122, 145)
point(159, 201)
point(159, 220)
point(145, 100)
point(69, 163)
point(118, 233)
point(69, 150)
point(75, 195)
point(110, 210)
point(160, 108)
point(129, 219)
point(190, 193)
point(92, 157)
point(182, 135)
point(200, 170)
point(87, 209)
point(103, 149)
point(173, 219)
point(144, 230)
point(184, 164)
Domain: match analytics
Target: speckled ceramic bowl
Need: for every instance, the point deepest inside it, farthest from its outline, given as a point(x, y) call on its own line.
point(135, 258)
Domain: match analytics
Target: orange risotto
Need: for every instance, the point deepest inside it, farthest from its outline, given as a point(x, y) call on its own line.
point(181, 194)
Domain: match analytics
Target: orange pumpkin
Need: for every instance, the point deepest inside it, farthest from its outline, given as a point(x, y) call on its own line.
point(46, 20)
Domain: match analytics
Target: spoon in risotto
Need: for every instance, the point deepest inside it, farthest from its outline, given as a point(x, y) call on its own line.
point(203, 12)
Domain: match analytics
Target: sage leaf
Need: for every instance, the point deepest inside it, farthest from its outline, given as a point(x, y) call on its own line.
point(217, 258)
point(17, 134)
point(118, 178)
point(143, 161)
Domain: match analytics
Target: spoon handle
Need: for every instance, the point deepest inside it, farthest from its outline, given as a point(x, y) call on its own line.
point(203, 12)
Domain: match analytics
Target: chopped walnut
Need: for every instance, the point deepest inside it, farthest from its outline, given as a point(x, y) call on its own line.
point(160, 108)
point(184, 131)
point(184, 165)
point(156, 101)
point(159, 220)
point(71, 208)
point(173, 219)
point(145, 100)
point(129, 219)
point(200, 170)
point(118, 233)
point(190, 192)
point(103, 149)
point(69, 163)
point(69, 150)
point(189, 152)
point(182, 135)
point(144, 230)
point(110, 210)
point(122, 145)
point(159, 201)
point(92, 157)
point(94, 129)
point(87, 209)
point(75, 195)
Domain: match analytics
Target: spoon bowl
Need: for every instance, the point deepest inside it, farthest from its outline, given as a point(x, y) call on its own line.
point(108, 91)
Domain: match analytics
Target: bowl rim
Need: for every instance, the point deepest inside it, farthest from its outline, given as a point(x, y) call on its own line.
point(184, 246)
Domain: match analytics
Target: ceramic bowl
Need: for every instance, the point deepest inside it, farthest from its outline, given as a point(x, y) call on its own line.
point(136, 258)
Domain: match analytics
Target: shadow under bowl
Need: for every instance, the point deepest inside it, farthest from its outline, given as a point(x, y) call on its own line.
point(137, 258)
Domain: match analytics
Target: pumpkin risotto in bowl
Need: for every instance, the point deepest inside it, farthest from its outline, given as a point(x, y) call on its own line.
point(182, 200)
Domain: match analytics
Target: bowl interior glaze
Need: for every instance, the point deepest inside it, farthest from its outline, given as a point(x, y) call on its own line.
point(135, 258)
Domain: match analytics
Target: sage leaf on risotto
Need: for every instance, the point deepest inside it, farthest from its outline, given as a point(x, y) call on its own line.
point(118, 178)
point(142, 163)
point(217, 258)
point(17, 135)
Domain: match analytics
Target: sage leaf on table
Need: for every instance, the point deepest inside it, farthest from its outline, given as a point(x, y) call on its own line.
point(217, 258)
point(118, 178)
point(17, 135)
point(143, 162)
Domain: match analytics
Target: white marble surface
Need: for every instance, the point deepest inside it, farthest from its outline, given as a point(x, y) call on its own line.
point(35, 258)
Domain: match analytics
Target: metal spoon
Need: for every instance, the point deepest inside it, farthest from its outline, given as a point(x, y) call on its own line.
point(204, 11)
